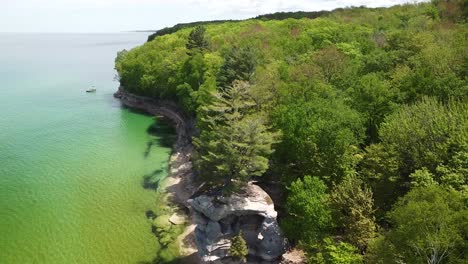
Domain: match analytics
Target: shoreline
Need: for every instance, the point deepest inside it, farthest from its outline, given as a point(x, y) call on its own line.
point(179, 185)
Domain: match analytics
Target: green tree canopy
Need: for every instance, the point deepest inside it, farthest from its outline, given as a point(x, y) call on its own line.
point(196, 40)
point(426, 134)
point(309, 217)
point(239, 64)
point(373, 97)
point(354, 207)
point(234, 145)
point(429, 226)
point(331, 252)
point(320, 138)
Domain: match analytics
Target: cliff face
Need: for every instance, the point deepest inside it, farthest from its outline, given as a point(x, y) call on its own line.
point(219, 218)
point(184, 125)
point(180, 183)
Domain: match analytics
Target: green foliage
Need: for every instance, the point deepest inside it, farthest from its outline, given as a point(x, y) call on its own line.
point(371, 101)
point(233, 145)
point(331, 252)
point(342, 46)
point(239, 64)
point(454, 10)
point(374, 99)
point(418, 144)
point(429, 226)
point(422, 177)
point(333, 66)
point(193, 71)
point(455, 172)
point(354, 207)
point(309, 217)
point(119, 59)
point(180, 26)
point(323, 135)
point(379, 251)
point(425, 134)
point(379, 170)
point(297, 15)
point(239, 249)
point(196, 40)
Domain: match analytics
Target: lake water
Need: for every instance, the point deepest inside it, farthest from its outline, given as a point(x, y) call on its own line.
point(72, 163)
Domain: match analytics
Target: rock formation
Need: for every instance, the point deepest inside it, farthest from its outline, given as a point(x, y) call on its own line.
point(184, 125)
point(219, 218)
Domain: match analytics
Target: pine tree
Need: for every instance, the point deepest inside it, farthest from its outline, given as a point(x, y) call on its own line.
point(355, 208)
point(239, 248)
point(196, 40)
point(239, 64)
point(234, 144)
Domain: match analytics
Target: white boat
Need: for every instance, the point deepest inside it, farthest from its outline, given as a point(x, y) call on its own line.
point(91, 90)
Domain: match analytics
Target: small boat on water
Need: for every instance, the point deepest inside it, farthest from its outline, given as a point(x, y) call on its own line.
point(91, 90)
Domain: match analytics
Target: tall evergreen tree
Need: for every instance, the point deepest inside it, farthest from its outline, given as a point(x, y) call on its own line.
point(234, 145)
point(196, 40)
point(354, 207)
point(239, 64)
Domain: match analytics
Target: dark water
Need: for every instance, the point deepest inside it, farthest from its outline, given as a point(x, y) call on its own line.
point(72, 163)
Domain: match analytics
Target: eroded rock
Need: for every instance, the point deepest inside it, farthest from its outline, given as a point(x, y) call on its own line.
point(219, 218)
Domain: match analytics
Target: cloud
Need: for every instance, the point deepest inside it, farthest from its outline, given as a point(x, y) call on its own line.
point(269, 6)
point(120, 15)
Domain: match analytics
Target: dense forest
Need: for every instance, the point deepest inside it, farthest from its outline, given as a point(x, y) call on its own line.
point(360, 114)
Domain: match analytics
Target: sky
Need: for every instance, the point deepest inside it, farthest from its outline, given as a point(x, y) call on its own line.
point(128, 15)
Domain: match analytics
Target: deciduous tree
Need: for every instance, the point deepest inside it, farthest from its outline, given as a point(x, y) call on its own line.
point(428, 226)
point(309, 217)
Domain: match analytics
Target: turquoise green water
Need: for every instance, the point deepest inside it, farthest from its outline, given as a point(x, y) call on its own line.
point(72, 163)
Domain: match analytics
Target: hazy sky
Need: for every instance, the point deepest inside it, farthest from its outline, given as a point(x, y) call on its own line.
point(124, 15)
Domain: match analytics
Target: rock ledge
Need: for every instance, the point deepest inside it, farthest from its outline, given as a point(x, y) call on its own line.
point(219, 218)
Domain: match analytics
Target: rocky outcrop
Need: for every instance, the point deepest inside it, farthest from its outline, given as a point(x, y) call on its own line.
point(219, 218)
point(184, 125)
point(179, 185)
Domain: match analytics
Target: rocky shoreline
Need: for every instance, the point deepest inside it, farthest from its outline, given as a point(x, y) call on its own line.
point(214, 219)
point(180, 183)
point(184, 125)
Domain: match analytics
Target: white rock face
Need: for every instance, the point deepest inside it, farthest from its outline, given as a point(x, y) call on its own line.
point(219, 218)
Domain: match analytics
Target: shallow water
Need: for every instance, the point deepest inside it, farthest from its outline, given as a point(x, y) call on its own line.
point(72, 163)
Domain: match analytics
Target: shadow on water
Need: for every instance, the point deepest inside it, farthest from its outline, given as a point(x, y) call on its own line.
point(161, 128)
point(151, 181)
point(164, 135)
point(149, 146)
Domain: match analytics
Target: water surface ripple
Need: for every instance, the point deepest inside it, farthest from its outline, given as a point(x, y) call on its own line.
point(71, 163)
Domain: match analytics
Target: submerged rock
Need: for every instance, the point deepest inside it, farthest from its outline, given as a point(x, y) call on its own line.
point(219, 218)
point(177, 219)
